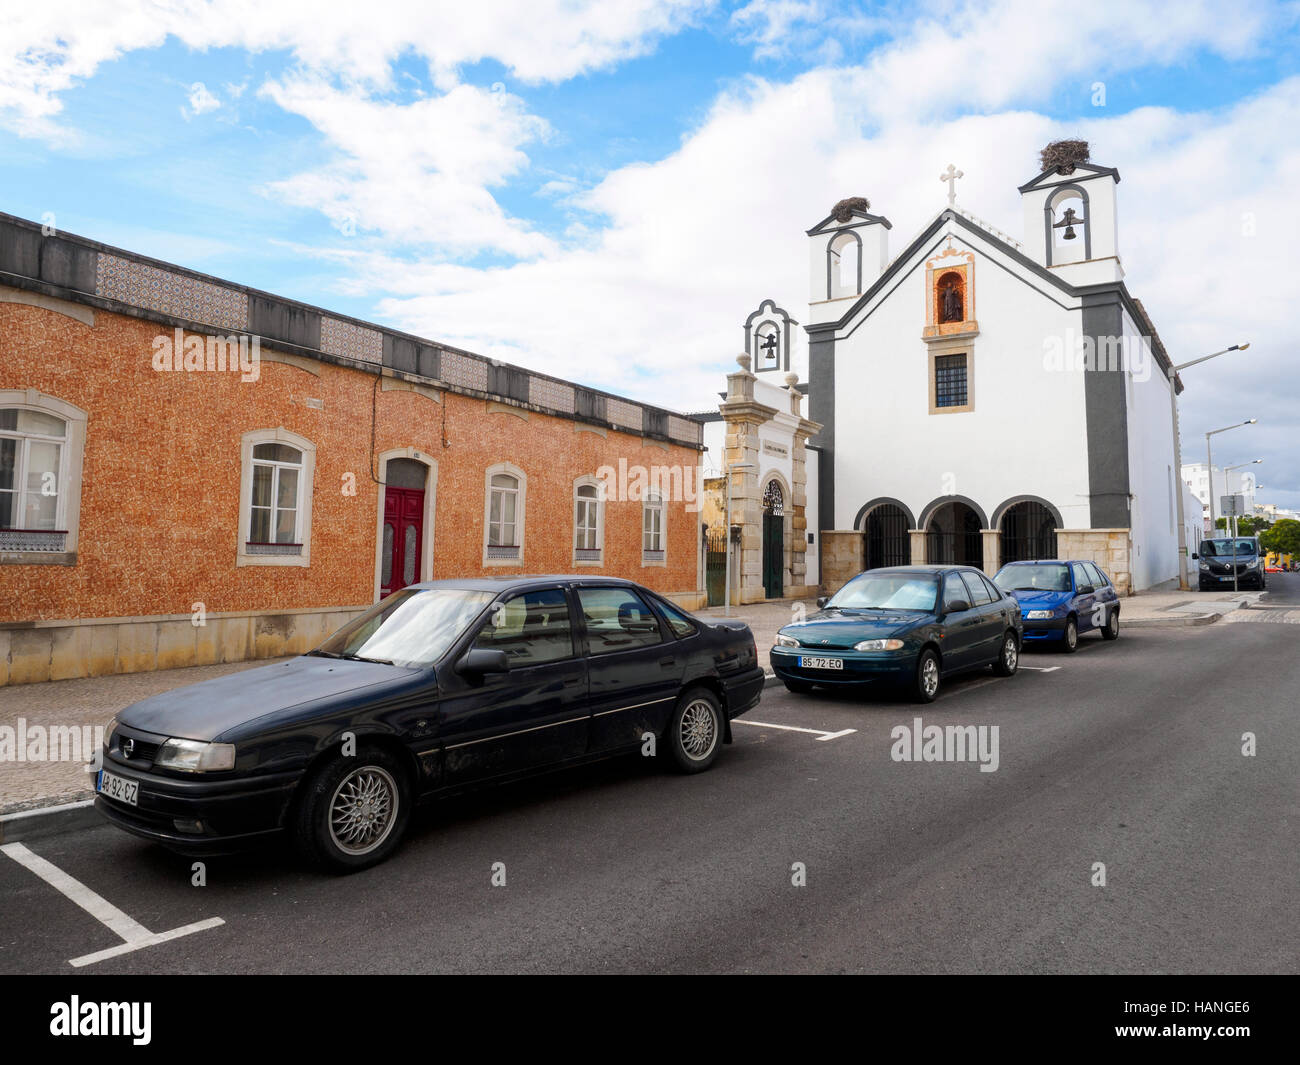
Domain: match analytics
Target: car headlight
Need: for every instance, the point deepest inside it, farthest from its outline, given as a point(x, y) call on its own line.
point(1252, 563)
point(1039, 615)
point(786, 641)
point(1204, 564)
point(195, 756)
point(109, 729)
point(879, 645)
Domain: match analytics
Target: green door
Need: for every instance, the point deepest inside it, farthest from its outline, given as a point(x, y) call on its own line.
point(773, 555)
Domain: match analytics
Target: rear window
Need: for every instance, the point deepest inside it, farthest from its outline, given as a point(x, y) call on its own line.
point(1039, 577)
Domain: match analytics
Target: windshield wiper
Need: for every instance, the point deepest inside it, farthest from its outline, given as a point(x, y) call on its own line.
point(324, 654)
point(363, 658)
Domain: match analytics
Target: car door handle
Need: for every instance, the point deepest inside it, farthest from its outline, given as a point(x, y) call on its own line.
point(666, 662)
point(572, 682)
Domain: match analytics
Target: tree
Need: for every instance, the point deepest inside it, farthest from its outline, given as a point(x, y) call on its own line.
point(1245, 526)
point(1283, 537)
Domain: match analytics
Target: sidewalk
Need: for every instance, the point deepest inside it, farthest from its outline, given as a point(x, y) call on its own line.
point(76, 704)
point(1174, 609)
point(93, 701)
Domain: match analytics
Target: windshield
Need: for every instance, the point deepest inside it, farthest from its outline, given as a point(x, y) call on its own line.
point(1219, 548)
point(887, 592)
point(1044, 577)
point(413, 627)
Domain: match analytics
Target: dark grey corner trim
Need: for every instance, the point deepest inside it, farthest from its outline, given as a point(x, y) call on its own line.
point(821, 408)
point(1106, 414)
point(935, 504)
point(859, 522)
point(1001, 511)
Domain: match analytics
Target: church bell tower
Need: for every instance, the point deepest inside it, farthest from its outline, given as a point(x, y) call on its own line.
point(1070, 216)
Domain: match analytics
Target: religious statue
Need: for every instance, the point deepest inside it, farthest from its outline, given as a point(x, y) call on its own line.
point(950, 303)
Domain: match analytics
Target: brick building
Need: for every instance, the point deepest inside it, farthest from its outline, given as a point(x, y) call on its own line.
point(157, 510)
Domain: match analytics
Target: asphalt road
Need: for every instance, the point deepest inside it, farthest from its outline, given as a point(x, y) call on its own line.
point(1127, 754)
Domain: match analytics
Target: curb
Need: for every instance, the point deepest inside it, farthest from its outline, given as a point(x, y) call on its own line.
point(48, 821)
point(1170, 623)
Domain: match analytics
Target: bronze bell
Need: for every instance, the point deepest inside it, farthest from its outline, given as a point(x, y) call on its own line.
point(1069, 220)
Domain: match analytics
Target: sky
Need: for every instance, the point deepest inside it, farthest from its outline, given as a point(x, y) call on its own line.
point(604, 189)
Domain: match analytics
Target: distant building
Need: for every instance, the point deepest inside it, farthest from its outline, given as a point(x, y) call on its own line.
point(1238, 482)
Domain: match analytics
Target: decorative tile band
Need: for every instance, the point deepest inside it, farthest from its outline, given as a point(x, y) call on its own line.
point(461, 370)
point(625, 415)
point(350, 341)
point(685, 429)
point(551, 394)
point(179, 295)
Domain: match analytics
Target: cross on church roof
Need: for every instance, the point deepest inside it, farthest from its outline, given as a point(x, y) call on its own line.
point(951, 175)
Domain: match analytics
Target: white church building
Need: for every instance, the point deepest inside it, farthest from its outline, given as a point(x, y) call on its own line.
point(973, 398)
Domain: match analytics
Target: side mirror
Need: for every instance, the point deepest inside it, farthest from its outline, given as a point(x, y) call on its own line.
point(956, 606)
point(822, 600)
point(1086, 589)
point(1195, 555)
point(480, 661)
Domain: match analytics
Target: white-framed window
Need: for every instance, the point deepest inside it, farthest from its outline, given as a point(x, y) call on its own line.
point(588, 522)
point(503, 519)
point(42, 440)
point(278, 468)
point(652, 528)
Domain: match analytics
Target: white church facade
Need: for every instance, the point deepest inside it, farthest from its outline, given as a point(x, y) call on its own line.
point(975, 398)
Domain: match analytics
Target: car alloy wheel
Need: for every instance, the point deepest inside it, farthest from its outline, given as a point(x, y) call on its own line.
point(698, 730)
point(1010, 656)
point(363, 810)
point(928, 677)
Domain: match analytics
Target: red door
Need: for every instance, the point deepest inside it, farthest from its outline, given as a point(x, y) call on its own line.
point(403, 539)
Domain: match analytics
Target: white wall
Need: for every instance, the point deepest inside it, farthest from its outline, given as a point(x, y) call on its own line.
point(813, 515)
point(1154, 480)
point(1026, 435)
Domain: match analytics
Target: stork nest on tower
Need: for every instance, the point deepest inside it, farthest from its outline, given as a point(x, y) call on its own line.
point(843, 210)
point(1064, 156)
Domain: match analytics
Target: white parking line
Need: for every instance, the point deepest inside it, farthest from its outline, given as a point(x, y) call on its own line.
point(821, 735)
point(134, 934)
point(1042, 669)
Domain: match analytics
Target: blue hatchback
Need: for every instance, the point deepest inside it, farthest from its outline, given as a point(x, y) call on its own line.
point(1060, 599)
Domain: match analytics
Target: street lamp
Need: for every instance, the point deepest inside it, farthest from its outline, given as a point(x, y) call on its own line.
point(1178, 460)
point(726, 593)
point(1209, 460)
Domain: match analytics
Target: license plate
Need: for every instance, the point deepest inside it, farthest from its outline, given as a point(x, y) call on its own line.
point(1227, 578)
point(118, 788)
point(820, 663)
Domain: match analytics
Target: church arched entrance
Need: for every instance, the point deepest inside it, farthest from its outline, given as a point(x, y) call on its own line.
point(953, 538)
point(1028, 532)
point(886, 539)
point(773, 540)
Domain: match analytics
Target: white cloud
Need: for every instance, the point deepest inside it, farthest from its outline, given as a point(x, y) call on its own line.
point(201, 101)
point(416, 173)
point(49, 47)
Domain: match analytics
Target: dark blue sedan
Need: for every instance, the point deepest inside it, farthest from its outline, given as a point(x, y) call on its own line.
point(910, 625)
point(1061, 599)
